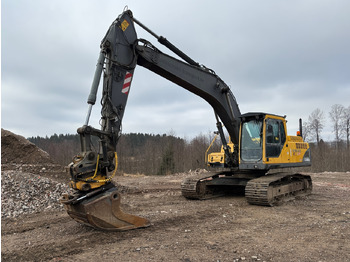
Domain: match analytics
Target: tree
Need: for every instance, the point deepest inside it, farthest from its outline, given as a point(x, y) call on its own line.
point(168, 165)
point(306, 130)
point(337, 115)
point(346, 123)
point(316, 124)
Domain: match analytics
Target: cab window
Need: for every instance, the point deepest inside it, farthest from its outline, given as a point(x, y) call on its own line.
point(251, 142)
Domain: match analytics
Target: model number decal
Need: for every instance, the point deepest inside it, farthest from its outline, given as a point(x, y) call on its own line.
point(124, 25)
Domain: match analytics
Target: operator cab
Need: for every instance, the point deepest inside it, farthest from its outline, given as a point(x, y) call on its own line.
point(262, 140)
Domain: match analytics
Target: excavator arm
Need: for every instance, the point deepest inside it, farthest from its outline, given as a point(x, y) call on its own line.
point(198, 80)
point(192, 76)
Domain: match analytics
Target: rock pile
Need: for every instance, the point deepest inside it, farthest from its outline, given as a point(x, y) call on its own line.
point(29, 178)
point(24, 193)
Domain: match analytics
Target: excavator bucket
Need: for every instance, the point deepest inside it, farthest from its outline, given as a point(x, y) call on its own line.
point(103, 211)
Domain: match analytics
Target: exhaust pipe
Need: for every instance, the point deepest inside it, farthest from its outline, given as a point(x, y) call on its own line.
point(300, 133)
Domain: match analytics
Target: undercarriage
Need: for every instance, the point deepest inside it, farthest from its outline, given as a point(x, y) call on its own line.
point(265, 189)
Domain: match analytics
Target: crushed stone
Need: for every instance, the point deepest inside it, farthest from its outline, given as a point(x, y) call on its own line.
point(26, 193)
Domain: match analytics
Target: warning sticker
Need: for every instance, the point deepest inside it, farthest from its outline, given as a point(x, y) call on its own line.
point(127, 82)
point(124, 25)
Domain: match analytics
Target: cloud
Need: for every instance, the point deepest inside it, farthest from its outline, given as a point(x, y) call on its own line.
point(287, 58)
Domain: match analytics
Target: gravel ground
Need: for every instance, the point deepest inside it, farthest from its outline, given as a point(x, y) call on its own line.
point(313, 228)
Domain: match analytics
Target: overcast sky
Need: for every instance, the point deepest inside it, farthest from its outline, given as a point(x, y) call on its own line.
point(281, 57)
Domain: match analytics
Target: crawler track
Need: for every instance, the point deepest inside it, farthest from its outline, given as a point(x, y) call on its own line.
point(274, 189)
point(195, 187)
point(263, 190)
point(214, 184)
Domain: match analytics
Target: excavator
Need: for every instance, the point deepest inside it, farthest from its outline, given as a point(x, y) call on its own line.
point(258, 141)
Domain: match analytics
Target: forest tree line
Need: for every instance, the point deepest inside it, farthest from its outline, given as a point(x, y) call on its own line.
point(138, 153)
point(331, 155)
point(165, 154)
point(339, 118)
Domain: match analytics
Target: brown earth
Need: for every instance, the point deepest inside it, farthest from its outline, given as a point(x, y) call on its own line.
point(312, 228)
point(16, 149)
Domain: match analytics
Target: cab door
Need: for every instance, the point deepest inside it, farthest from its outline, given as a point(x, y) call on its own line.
point(275, 138)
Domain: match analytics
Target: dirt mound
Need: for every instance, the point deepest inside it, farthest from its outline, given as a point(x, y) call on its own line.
point(16, 149)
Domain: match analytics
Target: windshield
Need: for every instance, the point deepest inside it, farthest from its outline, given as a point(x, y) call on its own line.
point(251, 141)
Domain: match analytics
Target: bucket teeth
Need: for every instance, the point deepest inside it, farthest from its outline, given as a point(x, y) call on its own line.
point(102, 211)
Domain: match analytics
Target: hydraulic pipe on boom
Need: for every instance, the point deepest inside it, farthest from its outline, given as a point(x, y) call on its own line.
point(169, 45)
point(94, 87)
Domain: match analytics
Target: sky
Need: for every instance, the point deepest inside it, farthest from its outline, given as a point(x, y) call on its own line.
point(281, 57)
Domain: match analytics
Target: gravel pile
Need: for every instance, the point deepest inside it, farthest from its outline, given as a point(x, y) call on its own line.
point(29, 178)
point(25, 193)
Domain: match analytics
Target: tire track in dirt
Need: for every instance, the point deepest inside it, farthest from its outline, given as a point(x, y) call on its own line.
point(87, 238)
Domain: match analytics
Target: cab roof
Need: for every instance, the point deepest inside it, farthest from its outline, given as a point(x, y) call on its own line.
point(257, 115)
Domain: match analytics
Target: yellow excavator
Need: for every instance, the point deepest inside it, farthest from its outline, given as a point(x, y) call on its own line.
point(258, 141)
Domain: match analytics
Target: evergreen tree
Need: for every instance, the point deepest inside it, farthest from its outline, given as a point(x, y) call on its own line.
point(168, 165)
